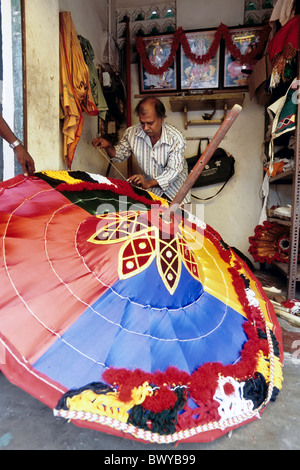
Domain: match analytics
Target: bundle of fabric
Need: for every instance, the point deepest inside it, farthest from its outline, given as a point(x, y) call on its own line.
point(96, 88)
point(127, 324)
point(293, 305)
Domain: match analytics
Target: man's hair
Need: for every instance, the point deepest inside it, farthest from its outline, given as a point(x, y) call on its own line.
point(158, 105)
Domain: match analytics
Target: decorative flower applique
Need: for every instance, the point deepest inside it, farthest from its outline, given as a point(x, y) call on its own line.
point(144, 236)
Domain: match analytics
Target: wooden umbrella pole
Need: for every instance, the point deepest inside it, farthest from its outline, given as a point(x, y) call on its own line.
point(203, 160)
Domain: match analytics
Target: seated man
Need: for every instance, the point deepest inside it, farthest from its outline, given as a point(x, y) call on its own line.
point(158, 148)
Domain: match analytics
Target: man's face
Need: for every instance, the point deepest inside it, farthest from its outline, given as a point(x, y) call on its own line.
point(150, 122)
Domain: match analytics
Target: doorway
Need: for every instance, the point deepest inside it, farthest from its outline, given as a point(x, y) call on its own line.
point(11, 77)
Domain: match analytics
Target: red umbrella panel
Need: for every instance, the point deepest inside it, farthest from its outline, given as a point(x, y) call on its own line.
point(125, 323)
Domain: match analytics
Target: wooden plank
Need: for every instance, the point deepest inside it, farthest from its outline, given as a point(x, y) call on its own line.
point(203, 160)
point(205, 101)
point(285, 314)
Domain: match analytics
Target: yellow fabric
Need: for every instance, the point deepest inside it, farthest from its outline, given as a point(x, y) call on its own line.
point(163, 201)
point(108, 404)
point(61, 175)
point(75, 90)
point(263, 367)
point(216, 279)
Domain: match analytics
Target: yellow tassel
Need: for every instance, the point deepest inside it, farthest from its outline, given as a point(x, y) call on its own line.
point(157, 198)
point(108, 404)
point(263, 366)
point(61, 175)
point(278, 377)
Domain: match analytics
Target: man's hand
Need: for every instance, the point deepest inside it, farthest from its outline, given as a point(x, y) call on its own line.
point(99, 142)
point(140, 181)
point(25, 160)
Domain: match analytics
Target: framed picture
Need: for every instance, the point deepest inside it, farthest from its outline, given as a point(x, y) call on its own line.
point(158, 49)
point(236, 73)
point(199, 76)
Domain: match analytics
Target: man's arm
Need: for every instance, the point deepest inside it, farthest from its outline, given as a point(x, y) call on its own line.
point(20, 152)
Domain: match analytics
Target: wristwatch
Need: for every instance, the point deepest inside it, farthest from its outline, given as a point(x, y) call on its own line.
point(15, 144)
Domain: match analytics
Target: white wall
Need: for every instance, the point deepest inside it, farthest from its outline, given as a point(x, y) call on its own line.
point(42, 80)
point(202, 14)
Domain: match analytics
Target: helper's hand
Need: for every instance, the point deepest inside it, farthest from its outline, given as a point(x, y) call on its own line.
point(25, 160)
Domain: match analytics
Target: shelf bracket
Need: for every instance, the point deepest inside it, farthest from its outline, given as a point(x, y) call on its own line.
point(205, 102)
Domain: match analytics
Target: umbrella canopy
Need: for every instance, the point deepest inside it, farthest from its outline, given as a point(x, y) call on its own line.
point(125, 323)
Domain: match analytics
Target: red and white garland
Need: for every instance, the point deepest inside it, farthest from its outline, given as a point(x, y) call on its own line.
point(180, 37)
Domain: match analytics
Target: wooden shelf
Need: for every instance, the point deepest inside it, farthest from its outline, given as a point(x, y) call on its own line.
point(280, 221)
point(205, 102)
point(284, 177)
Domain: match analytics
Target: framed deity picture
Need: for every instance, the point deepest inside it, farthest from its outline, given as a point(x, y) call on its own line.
point(199, 76)
point(236, 73)
point(158, 49)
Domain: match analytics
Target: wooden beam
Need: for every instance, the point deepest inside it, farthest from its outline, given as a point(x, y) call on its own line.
point(203, 160)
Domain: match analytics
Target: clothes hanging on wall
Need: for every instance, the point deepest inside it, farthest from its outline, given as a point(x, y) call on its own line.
point(75, 90)
point(283, 11)
point(282, 50)
point(96, 88)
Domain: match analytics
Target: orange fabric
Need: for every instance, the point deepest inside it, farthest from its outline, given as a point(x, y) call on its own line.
point(75, 90)
point(276, 168)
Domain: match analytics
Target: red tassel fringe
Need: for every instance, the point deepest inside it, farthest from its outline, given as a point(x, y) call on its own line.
point(118, 187)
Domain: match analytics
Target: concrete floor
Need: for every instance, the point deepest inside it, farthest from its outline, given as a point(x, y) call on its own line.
point(27, 424)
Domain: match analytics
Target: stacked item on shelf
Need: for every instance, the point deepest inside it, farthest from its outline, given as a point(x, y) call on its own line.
point(278, 90)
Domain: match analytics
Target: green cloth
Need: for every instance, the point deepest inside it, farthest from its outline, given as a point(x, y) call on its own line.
point(97, 92)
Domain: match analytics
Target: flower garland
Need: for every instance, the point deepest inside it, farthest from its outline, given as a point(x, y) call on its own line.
point(180, 38)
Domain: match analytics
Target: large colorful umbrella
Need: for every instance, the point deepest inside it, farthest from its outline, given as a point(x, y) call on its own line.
point(125, 322)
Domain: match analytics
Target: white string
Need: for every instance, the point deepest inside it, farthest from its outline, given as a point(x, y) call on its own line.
point(111, 163)
point(114, 166)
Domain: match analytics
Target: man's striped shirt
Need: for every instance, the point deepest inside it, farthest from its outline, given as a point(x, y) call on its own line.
point(164, 161)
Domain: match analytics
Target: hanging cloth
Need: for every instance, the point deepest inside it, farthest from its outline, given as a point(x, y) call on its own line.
point(75, 89)
point(96, 88)
point(283, 48)
point(282, 113)
point(283, 11)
